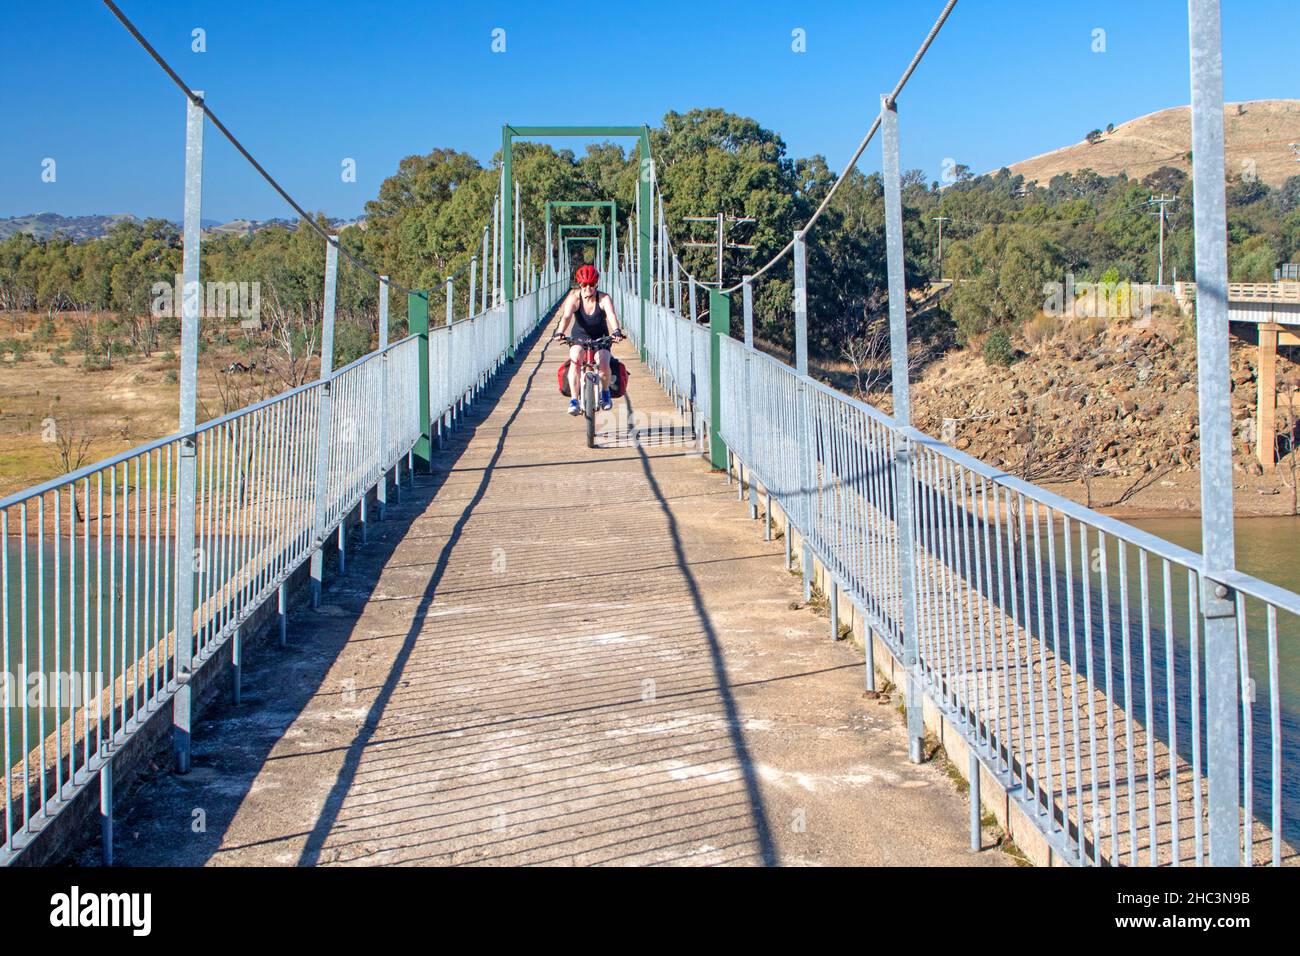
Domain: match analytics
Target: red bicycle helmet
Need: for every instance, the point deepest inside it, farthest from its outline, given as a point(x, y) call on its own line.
point(586, 275)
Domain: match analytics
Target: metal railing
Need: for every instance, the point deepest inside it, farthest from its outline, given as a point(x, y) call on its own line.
point(1131, 696)
point(89, 563)
point(465, 354)
point(680, 359)
point(1065, 645)
point(89, 566)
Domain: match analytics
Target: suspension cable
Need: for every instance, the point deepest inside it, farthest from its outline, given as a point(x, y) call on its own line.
point(857, 154)
point(199, 102)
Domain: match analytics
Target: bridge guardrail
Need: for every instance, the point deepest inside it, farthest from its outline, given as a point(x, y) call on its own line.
point(1064, 644)
point(89, 565)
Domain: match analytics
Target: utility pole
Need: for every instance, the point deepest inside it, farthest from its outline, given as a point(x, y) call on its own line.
point(720, 244)
point(1161, 202)
point(940, 220)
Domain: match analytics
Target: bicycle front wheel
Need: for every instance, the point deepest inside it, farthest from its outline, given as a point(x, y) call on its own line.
point(589, 406)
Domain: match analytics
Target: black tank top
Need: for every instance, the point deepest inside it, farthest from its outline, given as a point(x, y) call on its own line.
point(591, 326)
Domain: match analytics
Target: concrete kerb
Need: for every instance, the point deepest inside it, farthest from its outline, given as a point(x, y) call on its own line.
point(994, 797)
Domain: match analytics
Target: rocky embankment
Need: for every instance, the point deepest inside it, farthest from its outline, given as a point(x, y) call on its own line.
point(1107, 417)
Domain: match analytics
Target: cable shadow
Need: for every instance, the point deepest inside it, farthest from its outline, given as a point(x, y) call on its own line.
point(758, 813)
point(311, 851)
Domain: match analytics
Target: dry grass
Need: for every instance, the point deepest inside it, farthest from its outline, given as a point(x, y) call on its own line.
point(1259, 136)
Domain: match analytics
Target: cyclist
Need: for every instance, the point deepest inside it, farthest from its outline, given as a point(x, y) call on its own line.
point(589, 314)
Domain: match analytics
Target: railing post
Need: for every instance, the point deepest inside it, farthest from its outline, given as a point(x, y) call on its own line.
point(805, 432)
point(381, 494)
point(677, 286)
point(187, 491)
point(1218, 602)
point(417, 319)
point(903, 490)
point(719, 328)
point(323, 425)
point(473, 285)
point(486, 269)
point(747, 300)
point(508, 237)
point(689, 384)
point(644, 225)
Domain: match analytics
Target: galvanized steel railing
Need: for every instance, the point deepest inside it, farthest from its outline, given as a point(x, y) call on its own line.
point(1065, 645)
point(89, 566)
point(89, 563)
point(680, 357)
point(1131, 696)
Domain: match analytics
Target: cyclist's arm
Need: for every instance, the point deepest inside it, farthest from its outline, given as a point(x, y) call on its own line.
point(611, 319)
point(566, 316)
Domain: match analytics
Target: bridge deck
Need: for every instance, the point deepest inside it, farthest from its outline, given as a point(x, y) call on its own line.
point(491, 683)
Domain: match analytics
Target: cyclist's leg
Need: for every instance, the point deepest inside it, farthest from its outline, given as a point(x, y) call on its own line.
point(575, 371)
point(602, 359)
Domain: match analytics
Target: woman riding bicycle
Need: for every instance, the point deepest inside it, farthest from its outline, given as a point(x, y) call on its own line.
point(585, 315)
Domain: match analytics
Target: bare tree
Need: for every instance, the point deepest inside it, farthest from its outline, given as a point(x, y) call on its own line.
point(292, 337)
point(867, 352)
point(70, 443)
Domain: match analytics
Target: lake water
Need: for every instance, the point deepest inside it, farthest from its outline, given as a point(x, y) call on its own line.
point(1268, 548)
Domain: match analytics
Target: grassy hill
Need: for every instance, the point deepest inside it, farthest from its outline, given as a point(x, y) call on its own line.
point(1257, 132)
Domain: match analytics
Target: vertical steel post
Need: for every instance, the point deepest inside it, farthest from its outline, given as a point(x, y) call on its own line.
point(323, 429)
point(973, 775)
point(644, 224)
point(237, 665)
point(381, 493)
point(282, 613)
point(800, 305)
point(677, 286)
point(417, 313)
point(473, 285)
point(106, 811)
point(747, 303)
point(496, 252)
point(903, 490)
point(508, 238)
point(805, 432)
point(188, 476)
point(486, 269)
point(719, 328)
point(834, 597)
point(1218, 602)
point(451, 306)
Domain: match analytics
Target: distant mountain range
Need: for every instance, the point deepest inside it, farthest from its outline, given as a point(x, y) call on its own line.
point(43, 225)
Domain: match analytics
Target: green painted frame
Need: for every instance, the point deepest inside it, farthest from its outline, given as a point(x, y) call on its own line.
point(645, 217)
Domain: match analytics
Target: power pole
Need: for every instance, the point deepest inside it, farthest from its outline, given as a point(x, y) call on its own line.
point(720, 244)
point(1161, 202)
point(940, 220)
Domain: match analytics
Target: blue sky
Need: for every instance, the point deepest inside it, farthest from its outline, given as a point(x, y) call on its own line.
point(309, 84)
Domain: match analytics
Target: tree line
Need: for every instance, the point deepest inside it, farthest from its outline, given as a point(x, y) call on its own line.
point(1003, 239)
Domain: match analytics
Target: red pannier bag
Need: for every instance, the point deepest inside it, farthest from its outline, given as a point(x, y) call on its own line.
point(618, 378)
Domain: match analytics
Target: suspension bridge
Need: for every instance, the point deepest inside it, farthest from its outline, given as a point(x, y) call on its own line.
point(401, 614)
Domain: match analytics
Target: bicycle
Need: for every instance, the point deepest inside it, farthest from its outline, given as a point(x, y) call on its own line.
point(589, 376)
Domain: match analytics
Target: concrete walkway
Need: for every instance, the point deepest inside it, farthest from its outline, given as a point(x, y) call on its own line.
point(564, 656)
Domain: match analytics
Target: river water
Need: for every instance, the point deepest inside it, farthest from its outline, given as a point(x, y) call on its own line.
point(1268, 548)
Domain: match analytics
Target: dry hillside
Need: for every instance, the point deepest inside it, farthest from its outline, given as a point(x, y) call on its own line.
point(1258, 132)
